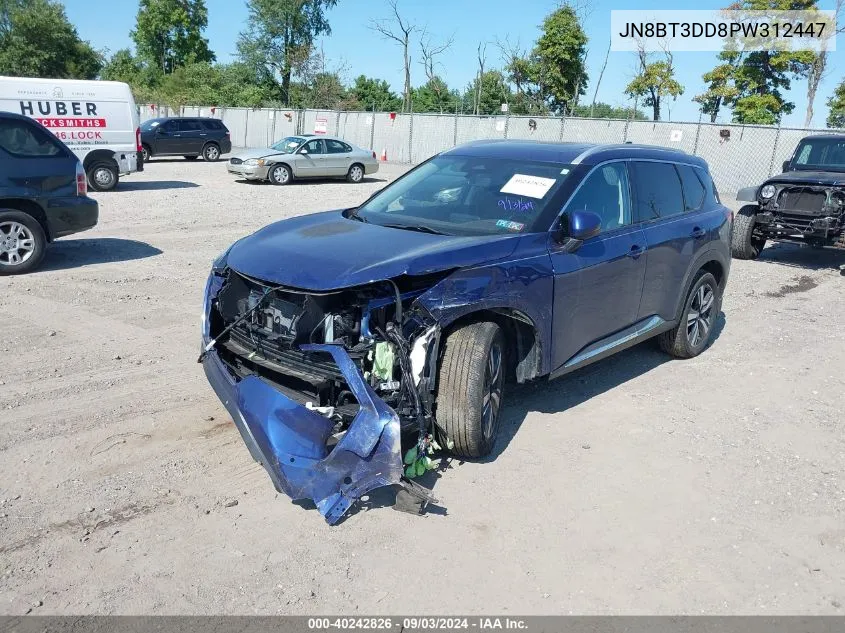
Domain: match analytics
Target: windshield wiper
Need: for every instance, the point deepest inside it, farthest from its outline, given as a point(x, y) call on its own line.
point(353, 215)
point(412, 227)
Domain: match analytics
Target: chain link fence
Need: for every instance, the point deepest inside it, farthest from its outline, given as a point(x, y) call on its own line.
point(738, 155)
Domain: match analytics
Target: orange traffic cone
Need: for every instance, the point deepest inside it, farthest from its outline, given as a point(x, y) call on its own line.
point(384, 154)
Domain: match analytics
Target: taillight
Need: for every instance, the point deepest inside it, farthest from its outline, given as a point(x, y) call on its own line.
point(138, 139)
point(81, 181)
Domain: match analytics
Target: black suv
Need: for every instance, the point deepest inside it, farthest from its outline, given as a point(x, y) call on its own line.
point(806, 203)
point(43, 193)
point(183, 136)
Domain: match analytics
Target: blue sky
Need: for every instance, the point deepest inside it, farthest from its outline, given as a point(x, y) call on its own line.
point(106, 24)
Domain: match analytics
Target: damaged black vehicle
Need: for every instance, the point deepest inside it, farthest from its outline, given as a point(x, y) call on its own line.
point(805, 204)
point(350, 345)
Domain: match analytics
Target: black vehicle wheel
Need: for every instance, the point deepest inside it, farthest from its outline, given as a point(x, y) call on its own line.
point(211, 152)
point(146, 153)
point(191, 157)
point(745, 244)
point(695, 329)
point(22, 242)
point(469, 388)
point(103, 176)
point(355, 173)
point(279, 175)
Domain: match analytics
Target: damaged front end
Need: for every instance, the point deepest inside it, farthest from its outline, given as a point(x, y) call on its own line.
point(324, 386)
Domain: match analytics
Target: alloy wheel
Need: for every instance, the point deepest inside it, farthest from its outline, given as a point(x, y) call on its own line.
point(17, 244)
point(356, 173)
point(280, 174)
point(212, 153)
point(492, 390)
point(700, 315)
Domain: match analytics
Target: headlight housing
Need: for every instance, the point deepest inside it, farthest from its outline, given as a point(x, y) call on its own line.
point(219, 263)
point(254, 162)
point(767, 192)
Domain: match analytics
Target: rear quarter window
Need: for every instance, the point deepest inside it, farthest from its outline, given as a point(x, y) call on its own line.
point(213, 124)
point(25, 139)
point(694, 190)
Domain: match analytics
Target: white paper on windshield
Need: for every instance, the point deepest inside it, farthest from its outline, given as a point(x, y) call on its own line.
point(525, 185)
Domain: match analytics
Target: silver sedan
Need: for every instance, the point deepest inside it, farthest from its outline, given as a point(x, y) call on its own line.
point(304, 157)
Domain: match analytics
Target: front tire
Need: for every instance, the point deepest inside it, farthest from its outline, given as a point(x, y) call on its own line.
point(744, 243)
point(470, 385)
point(211, 152)
point(355, 173)
point(22, 242)
point(279, 175)
point(695, 330)
point(103, 176)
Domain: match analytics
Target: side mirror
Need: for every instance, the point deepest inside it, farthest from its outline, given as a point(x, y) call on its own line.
point(303, 151)
point(583, 225)
point(785, 166)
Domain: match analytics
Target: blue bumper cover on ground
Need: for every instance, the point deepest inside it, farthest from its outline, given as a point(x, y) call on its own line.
point(289, 440)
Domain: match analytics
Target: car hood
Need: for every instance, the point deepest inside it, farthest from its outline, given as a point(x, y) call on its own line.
point(326, 251)
point(809, 178)
point(257, 152)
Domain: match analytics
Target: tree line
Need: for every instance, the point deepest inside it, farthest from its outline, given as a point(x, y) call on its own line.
point(279, 63)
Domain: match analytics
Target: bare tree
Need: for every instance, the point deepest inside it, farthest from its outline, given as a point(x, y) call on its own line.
point(598, 82)
point(818, 69)
point(399, 30)
point(430, 52)
point(482, 60)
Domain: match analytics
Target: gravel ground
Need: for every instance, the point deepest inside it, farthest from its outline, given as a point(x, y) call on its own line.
point(640, 485)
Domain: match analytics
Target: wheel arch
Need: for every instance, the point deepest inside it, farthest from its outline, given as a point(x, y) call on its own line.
point(713, 262)
point(521, 335)
point(97, 156)
point(30, 208)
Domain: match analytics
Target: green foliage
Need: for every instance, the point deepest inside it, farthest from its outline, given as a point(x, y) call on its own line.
point(721, 90)
point(435, 96)
point(280, 36)
point(655, 81)
point(836, 103)
point(606, 111)
point(367, 92)
point(37, 40)
point(168, 33)
point(557, 64)
point(494, 92)
point(752, 84)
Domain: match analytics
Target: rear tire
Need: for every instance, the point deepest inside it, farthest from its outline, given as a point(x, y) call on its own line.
point(695, 329)
point(23, 242)
point(103, 176)
point(279, 175)
point(211, 152)
point(744, 244)
point(355, 173)
point(146, 153)
point(470, 382)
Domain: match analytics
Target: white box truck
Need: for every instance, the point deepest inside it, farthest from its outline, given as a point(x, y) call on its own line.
point(97, 120)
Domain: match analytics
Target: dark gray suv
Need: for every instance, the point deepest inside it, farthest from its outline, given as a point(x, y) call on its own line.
point(190, 137)
point(43, 193)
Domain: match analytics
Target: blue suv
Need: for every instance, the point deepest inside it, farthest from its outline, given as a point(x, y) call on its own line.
point(341, 342)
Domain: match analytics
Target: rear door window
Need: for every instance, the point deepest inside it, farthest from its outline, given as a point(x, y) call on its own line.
point(337, 147)
point(190, 125)
point(26, 140)
point(693, 189)
point(658, 193)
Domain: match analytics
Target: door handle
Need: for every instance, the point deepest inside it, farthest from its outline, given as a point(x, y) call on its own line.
point(698, 232)
point(636, 251)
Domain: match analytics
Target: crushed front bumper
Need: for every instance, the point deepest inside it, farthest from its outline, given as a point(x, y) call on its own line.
point(289, 440)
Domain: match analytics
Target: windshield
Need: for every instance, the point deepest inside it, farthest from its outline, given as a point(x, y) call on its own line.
point(288, 144)
point(146, 126)
point(468, 195)
point(826, 154)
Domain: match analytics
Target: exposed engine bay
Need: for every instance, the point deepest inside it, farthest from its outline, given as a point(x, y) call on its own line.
point(815, 214)
point(313, 350)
